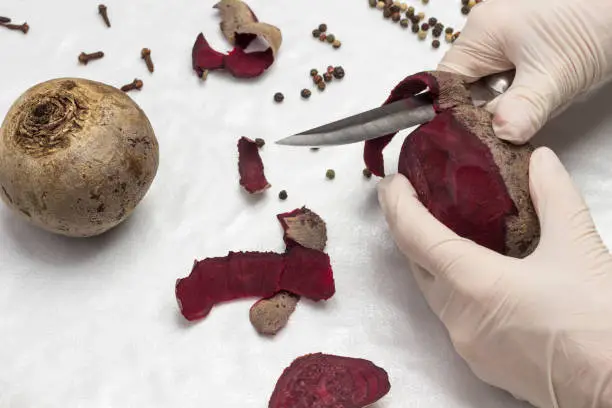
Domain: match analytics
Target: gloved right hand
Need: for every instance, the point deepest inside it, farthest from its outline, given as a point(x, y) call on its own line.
point(560, 48)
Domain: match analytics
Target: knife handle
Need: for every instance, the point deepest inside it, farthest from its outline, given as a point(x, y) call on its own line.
point(499, 82)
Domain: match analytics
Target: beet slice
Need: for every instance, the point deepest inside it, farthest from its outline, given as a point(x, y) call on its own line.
point(329, 381)
point(248, 65)
point(303, 227)
point(308, 273)
point(204, 57)
point(250, 167)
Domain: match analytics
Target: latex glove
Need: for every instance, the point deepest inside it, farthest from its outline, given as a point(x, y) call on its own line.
point(560, 48)
point(538, 327)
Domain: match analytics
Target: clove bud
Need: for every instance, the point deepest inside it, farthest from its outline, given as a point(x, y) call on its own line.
point(136, 84)
point(103, 10)
point(85, 58)
point(146, 55)
point(24, 28)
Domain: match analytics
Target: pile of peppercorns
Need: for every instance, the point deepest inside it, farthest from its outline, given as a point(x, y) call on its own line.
point(321, 81)
point(407, 16)
point(322, 34)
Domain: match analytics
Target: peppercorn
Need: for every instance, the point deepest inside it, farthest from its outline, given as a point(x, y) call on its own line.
point(465, 10)
point(415, 28)
point(279, 97)
point(337, 44)
point(435, 44)
point(330, 69)
point(440, 25)
point(322, 37)
point(404, 22)
point(403, 7)
point(380, 5)
point(338, 72)
point(330, 174)
point(331, 38)
point(260, 142)
point(471, 3)
point(465, 2)
point(282, 195)
point(372, 3)
point(396, 17)
point(424, 26)
point(449, 38)
point(414, 19)
point(421, 16)
point(436, 32)
point(433, 21)
point(313, 72)
point(367, 173)
point(327, 77)
point(321, 85)
point(317, 78)
point(425, 1)
point(449, 30)
point(387, 12)
point(305, 93)
point(410, 12)
point(316, 33)
point(323, 27)
point(394, 9)
point(388, 3)
point(422, 35)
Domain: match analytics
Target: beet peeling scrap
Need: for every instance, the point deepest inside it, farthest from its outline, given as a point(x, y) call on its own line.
point(304, 227)
point(240, 27)
point(250, 167)
point(471, 181)
point(328, 381)
point(238, 275)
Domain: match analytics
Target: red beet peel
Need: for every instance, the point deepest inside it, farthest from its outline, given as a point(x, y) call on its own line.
point(250, 167)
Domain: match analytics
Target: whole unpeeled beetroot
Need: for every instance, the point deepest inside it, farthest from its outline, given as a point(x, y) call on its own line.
point(471, 181)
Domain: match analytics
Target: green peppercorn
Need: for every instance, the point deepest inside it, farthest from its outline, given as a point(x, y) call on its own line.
point(331, 38)
point(373, 3)
point(410, 12)
point(465, 10)
point(338, 72)
point(313, 72)
point(387, 12)
point(435, 43)
point(260, 142)
point(424, 26)
point(449, 30)
point(327, 77)
point(305, 93)
point(321, 85)
point(282, 195)
point(404, 22)
point(317, 78)
point(279, 97)
point(433, 21)
point(425, 1)
point(337, 44)
point(415, 28)
point(323, 27)
point(316, 33)
point(367, 173)
point(330, 174)
point(396, 17)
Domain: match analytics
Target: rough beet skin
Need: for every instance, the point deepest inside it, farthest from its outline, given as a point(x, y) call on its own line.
point(471, 181)
point(327, 381)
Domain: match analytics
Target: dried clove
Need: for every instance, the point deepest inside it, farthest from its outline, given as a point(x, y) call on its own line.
point(146, 55)
point(136, 84)
point(85, 58)
point(5, 20)
point(102, 9)
point(24, 28)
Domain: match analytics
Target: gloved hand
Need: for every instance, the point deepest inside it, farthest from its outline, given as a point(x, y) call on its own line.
point(538, 327)
point(560, 48)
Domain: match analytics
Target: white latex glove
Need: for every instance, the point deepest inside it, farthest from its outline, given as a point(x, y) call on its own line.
point(560, 48)
point(538, 327)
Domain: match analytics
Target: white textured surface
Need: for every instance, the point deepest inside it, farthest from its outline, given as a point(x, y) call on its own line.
point(94, 323)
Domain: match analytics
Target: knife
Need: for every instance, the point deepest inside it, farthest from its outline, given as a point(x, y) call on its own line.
point(393, 117)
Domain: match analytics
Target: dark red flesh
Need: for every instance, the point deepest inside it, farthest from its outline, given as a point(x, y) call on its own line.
point(204, 57)
point(250, 167)
point(458, 181)
point(240, 275)
point(328, 381)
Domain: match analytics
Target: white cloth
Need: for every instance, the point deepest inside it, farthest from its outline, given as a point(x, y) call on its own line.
point(94, 323)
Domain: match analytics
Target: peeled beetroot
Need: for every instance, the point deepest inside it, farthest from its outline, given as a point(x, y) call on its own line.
point(301, 271)
point(327, 381)
point(473, 182)
point(250, 167)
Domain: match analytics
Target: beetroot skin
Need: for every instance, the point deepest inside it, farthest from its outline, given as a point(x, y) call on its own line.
point(327, 381)
point(471, 181)
point(301, 271)
point(250, 167)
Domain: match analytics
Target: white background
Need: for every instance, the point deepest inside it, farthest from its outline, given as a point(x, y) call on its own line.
point(94, 323)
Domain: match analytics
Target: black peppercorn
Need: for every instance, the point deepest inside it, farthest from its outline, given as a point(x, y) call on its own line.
point(436, 32)
point(440, 25)
point(282, 195)
point(367, 173)
point(415, 28)
point(338, 72)
point(321, 85)
point(323, 27)
point(279, 97)
point(433, 21)
point(313, 72)
point(327, 77)
point(394, 9)
point(435, 43)
point(305, 93)
point(424, 26)
point(465, 2)
point(404, 22)
point(396, 17)
point(414, 20)
point(465, 10)
point(331, 38)
point(317, 78)
point(260, 142)
point(387, 12)
point(316, 33)
point(449, 30)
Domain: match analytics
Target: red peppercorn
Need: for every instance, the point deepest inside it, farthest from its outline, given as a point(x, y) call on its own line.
point(322, 37)
point(330, 69)
point(424, 26)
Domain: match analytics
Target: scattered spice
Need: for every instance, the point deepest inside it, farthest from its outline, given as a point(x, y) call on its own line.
point(403, 7)
point(103, 11)
point(321, 85)
point(437, 32)
point(338, 72)
point(136, 84)
point(387, 13)
point(471, 3)
point(396, 17)
point(425, 1)
point(439, 26)
point(260, 142)
point(331, 38)
point(146, 55)
point(317, 78)
point(373, 3)
point(279, 97)
point(337, 44)
point(422, 35)
point(404, 22)
point(327, 77)
point(282, 195)
point(465, 10)
point(455, 36)
point(322, 37)
point(316, 33)
point(432, 21)
point(421, 16)
point(410, 12)
point(305, 93)
point(380, 5)
point(415, 28)
point(250, 167)
point(394, 9)
point(465, 2)
point(4, 20)
point(435, 43)
point(367, 173)
point(323, 27)
point(313, 72)
point(330, 69)
point(424, 26)
point(449, 38)
point(84, 58)
point(449, 30)
point(330, 174)
point(24, 28)
point(415, 20)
